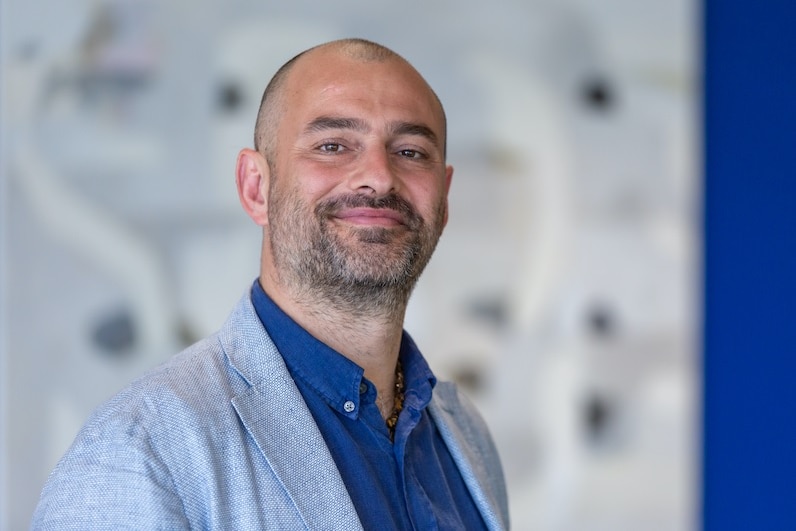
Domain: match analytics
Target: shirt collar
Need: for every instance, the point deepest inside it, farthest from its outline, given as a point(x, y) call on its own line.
point(419, 381)
point(333, 376)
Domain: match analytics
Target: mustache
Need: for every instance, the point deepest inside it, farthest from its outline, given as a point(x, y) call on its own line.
point(394, 202)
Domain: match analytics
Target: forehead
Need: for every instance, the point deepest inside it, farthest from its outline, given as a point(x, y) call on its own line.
point(327, 82)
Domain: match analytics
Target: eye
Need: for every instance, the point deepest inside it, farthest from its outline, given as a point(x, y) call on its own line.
point(330, 147)
point(411, 154)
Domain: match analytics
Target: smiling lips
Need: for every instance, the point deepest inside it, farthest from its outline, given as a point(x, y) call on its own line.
point(383, 217)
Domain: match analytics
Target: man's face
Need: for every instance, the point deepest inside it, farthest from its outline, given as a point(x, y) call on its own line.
point(358, 189)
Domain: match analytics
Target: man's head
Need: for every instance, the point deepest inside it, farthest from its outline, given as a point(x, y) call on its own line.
point(348, 177)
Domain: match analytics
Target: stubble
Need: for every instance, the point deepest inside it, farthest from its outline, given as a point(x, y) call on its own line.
point(360, 270)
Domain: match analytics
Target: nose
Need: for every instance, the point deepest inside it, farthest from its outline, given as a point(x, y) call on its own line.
point(375, 175)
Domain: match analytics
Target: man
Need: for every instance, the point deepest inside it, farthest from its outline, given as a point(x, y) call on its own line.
point(310, 408)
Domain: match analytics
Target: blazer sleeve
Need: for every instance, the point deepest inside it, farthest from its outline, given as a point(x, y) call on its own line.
point(111, 478)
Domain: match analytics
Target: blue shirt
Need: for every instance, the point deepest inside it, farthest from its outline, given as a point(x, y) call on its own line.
point(412, 483)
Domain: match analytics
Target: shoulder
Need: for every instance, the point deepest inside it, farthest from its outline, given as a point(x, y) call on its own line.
point(181, 397)
point(120, 468)
point(199, 381)
point(145, 453)
point(171, 451)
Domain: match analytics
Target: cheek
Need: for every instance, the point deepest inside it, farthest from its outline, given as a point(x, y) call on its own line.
point(314, 182)
point(429, 197)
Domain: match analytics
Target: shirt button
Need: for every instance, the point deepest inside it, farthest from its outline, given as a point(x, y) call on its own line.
point(349, 406)
point(363, 388)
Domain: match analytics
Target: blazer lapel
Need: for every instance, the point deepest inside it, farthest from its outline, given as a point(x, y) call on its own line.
point(275, 414)
point(289, 439)
point(466, 442)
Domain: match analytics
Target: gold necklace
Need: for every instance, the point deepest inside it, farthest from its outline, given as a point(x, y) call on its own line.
point(398, 401)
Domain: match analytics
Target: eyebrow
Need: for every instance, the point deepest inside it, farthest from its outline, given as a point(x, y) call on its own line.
point(413, 129)
point(326, 123)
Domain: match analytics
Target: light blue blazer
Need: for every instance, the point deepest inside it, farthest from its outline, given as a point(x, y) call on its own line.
point(219, 437)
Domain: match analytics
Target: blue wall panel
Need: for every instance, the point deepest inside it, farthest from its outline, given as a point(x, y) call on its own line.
point(749, 460)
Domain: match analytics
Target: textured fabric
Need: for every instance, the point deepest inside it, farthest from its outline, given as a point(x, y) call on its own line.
point(413, 483)
point(219, 437)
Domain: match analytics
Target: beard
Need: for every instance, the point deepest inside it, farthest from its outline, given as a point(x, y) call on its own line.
point(362, 270)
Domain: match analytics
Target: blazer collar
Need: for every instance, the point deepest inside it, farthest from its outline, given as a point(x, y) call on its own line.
point(275, 415)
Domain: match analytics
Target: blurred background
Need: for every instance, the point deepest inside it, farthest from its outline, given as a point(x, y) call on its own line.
point(564, 295)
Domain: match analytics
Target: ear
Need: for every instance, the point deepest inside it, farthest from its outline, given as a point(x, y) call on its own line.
point(448, 178)
point(252, 176)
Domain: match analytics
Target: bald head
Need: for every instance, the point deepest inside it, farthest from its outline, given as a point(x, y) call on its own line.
point(272, 103)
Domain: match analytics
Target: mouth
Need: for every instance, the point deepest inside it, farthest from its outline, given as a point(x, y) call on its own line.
point(389, 213)
point(372, 217)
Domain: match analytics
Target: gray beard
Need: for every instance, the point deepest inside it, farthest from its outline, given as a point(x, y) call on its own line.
point(372, 275)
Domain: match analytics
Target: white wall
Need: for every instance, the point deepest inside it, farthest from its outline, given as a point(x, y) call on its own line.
point(563, 286)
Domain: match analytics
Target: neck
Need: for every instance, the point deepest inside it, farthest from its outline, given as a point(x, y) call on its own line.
point(367, 334)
